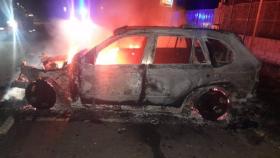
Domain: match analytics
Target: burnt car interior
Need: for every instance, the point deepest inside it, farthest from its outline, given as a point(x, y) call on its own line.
point(198, 52)
point(179, 50)
point(219, 54)
point(126, 50)
point(168, 50)
point(173, 49)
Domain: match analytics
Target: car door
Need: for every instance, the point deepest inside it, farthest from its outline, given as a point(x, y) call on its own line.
point(179, 65)
point(116, 76)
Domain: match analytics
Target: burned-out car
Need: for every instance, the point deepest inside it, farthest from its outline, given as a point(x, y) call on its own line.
point(151, 66)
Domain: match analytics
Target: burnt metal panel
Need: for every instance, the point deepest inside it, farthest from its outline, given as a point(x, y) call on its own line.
point(111, 83)
point(166, 84)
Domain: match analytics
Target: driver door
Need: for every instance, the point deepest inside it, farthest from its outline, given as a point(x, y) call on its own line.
point(116, 76)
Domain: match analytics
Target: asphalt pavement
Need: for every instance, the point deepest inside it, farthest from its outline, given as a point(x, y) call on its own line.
point(83, 139)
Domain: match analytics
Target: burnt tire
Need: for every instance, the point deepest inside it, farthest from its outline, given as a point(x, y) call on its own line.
point(212, 104)
point(40, 94)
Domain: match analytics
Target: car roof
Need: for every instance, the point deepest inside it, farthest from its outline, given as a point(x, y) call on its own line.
point(147, 29)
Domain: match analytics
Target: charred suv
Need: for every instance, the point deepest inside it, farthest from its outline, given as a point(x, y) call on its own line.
point(151, 66)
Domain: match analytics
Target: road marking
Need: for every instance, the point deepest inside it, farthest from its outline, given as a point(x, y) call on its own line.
point(5, 127)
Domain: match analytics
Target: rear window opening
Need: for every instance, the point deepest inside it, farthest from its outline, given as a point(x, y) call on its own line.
point(178, 50)
point(173, 50)
point(219, 53)
point(198, 52)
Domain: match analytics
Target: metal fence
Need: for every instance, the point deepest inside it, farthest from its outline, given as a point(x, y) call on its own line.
point(240, 17)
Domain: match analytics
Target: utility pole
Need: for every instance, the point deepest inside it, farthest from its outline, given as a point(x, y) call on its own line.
point(231, 15)
point(256, 24)
point(247, 21)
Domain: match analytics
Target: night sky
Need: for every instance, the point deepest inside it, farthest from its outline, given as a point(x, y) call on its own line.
point(47, 9)
point(198, 4)
point(42, 8)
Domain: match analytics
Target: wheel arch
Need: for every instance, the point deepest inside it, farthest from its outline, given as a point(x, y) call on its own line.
point(193, 95)
point(41, 94)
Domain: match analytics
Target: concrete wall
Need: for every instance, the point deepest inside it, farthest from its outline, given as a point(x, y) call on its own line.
point(266, 49)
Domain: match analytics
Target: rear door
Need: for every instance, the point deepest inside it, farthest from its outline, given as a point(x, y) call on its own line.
point(116, 77)
point(180, 63)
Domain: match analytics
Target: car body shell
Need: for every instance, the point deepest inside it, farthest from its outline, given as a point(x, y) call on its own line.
point(148, 83)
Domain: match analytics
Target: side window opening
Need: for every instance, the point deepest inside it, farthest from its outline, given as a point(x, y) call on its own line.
point(126, 50)
point(219, 53)
point(173, 50)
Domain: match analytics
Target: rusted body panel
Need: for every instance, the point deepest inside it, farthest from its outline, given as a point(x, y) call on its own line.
point(170, 84)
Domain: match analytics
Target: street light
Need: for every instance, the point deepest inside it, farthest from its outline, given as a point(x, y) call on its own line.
point(13, 24)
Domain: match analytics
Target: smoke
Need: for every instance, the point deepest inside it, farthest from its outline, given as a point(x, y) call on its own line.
point(71, 35)
point(14, 94)
point(63, 37)
point(112, 14)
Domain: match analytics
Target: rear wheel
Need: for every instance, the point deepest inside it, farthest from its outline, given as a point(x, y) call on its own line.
point(212, 104)
point(40, 94)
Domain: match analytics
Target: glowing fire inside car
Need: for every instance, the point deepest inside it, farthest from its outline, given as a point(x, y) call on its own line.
point(108, 57)
point(123, 51)
point(114, 55)
point(59, 64)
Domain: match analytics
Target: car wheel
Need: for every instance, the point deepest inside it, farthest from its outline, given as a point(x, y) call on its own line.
point(212, 104)
point(40, 94)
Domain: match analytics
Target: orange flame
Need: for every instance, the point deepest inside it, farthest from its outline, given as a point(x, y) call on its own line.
point(113, 55)
point(81, 34)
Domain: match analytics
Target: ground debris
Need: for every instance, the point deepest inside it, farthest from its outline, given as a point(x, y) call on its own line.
point(121, 130)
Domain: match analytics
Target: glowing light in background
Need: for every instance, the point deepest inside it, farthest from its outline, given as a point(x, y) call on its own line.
point(65, 9)
point(80, 31)
point(84, 13)
point(8, 10)
point(201, 18)
point(13, 24)
point(168, 3)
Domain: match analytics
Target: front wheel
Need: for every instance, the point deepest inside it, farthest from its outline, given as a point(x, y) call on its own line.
point(40, 94)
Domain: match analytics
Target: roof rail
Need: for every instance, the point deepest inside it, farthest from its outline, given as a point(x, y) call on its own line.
point(188, 26)
point(120, 30)
point(123, 29)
